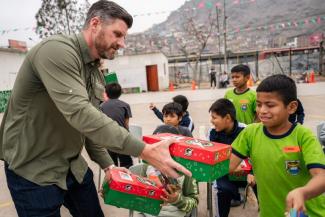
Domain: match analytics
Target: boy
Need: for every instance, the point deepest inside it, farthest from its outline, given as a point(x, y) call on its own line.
point(226, 129)
point(172, 116)
point(181, 200)
point(243, 98)
point(289, 165)
point(120, 112)
point(186, 120)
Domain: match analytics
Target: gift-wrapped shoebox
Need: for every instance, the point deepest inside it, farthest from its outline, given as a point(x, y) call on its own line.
point(133, 192)
point(206, 160)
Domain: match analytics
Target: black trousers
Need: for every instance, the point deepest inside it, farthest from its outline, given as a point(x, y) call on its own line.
point(30, 199)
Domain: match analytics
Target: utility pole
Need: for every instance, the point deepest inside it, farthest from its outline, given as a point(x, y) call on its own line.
point(225, 36)
point(219, 41)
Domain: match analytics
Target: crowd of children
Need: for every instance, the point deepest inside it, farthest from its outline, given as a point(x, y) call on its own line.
point(263, 125)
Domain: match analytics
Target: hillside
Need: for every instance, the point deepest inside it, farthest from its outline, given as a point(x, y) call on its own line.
point(251, 25)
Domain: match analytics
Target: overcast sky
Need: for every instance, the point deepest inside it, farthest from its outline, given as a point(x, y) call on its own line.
point(20, 15)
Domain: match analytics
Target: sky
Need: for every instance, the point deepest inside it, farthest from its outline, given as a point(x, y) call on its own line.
point(18, 16)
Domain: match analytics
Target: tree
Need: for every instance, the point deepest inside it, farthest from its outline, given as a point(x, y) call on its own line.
point(194, 40)
point(60, 17)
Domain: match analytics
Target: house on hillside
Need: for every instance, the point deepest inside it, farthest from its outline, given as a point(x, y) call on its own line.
point(10, 62)
point(141, 72)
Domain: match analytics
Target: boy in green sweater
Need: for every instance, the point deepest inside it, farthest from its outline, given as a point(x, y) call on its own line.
point(243, 98)
point(288, 162)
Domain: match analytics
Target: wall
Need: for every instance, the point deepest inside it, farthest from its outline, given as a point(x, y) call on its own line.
point(10, 62)
point(131, 70)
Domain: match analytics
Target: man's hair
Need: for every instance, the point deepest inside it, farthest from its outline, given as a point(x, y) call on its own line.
point(182, 100)
point(113, 90)
point(166, 129)
point(223, 107)
point(283, 85)
point(173, 108)
point(108, 11)
point(243, 69)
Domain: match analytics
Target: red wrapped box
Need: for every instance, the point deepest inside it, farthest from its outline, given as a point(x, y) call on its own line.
point(206, 160)
point(241, 175)
point(133, 192)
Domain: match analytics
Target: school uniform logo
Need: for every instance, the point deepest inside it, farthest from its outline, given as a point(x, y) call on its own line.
point(293, 167)
point(244, 104)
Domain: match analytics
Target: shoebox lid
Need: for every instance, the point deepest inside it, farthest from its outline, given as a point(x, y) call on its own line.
point(193, 149)
point(134, 184)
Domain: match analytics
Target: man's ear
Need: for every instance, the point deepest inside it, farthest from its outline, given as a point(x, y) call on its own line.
point(292, 106)
point(95, 22)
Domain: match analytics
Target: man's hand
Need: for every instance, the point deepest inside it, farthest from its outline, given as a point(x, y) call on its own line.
point(296, 200)
point(108, 176)
point(158, 156)
point(171, 194)
point(108, 172)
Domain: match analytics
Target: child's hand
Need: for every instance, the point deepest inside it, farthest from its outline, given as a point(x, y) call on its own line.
point(171, 194)
point(152, 106)
point(251, 180)
point(296, 200)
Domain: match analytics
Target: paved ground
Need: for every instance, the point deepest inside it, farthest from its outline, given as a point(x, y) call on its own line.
point(312, 96)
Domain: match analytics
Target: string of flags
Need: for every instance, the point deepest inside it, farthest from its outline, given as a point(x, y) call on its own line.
point(302, 23)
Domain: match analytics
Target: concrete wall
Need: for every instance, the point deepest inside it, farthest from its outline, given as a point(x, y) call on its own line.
point(131, 70)
point(10, 62)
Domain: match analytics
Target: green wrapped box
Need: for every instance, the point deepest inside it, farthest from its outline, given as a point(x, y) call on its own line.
point(133, 192)
point(205, 172)
point(110, 77)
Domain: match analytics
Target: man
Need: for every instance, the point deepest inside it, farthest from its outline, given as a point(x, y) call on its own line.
point(53, 113)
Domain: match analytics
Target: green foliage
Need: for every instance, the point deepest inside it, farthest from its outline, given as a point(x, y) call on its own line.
point(60, 17)
point(4, 97)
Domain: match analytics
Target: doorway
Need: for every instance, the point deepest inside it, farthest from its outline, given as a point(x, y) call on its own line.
point(152, 78)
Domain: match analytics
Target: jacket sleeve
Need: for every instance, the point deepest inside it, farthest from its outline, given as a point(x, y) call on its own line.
point(58, 67)
point(98, 154)
point(158, 114)
point(189, 198)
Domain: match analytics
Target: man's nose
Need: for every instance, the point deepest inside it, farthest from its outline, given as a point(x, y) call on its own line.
point(121, 43)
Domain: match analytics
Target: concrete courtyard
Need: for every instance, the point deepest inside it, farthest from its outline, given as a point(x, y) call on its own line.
point(311, 95)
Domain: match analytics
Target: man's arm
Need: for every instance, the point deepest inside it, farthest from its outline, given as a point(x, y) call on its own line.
point(316, 186)
point(98, 154)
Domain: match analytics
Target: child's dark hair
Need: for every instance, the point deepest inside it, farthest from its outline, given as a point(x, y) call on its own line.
point(173, 108)
point(182, 100)
point(166, 129)
point(223, 107)
point(283, 85)
point(243, 69)
point(113, 90)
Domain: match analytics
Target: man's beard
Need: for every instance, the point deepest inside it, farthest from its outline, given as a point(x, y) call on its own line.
point(102, 49)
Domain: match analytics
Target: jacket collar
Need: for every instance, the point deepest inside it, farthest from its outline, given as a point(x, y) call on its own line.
point(85, 51)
